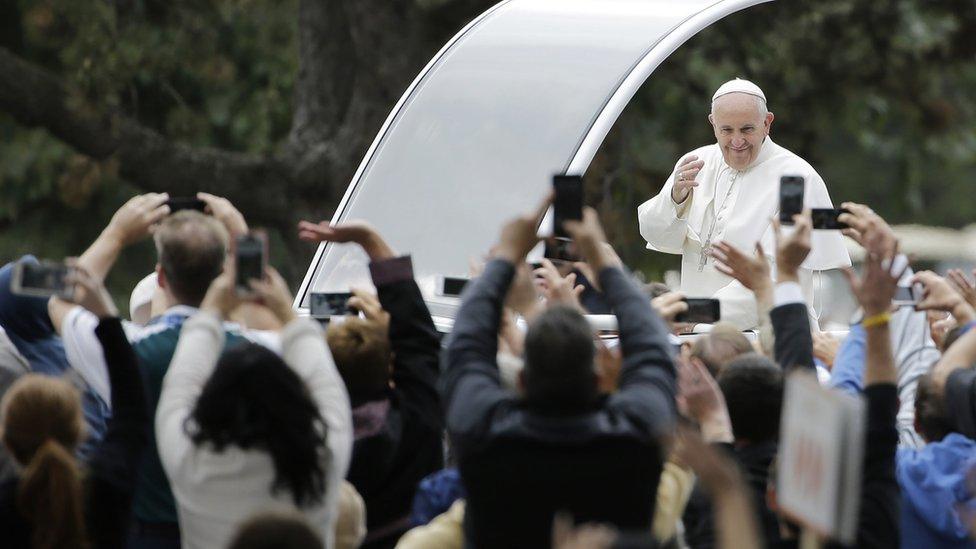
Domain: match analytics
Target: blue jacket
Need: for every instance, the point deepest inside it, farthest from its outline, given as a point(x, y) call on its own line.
point(933, 487)
point(28, 325)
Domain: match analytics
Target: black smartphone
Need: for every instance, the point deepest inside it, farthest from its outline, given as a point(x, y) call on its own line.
point(790, 198)
point(41, 279)
point(905, 296)
point(826, 218)
point(450, 286)
point(701, 310)
point(324, 305)
point(178, 203)
point(568, 204)
point(560, 250)
point(251, 258)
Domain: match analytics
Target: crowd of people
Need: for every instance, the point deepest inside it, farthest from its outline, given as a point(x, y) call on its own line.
point(217, 418)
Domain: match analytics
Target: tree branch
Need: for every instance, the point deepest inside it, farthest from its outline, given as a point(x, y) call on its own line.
point(258, 185)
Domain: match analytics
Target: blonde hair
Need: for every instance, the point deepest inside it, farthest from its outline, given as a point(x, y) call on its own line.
point(42, 425)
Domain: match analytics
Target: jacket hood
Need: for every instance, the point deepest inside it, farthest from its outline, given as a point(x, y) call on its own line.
point(933, 483)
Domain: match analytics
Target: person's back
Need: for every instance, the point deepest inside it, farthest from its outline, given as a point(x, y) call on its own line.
point(562, 446)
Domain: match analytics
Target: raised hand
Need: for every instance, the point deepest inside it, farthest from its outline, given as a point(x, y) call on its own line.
point(519, 235)
point(272, 291)
point(222, 296)
point(684, 178)
point(939, 295)
point(670, 305)
point(369, 304)
point(95, 298)
point(868, 229)
point(963, 285)
point(224, 211)
point(751, 271)
point(557, 288)
point(356, 231)
point(875, 289)
point(792, 249)
point(591, 241)
point(825, 348)
point(137, 217)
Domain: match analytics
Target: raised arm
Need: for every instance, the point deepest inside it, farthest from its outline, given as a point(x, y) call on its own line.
point(663, 220)
point(793, 347)
point(647, 380)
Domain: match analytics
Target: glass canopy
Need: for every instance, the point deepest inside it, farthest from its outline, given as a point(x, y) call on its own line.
point(528, 89)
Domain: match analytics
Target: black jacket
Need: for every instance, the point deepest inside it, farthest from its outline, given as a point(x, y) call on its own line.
point(520, 466)
point(390, 459)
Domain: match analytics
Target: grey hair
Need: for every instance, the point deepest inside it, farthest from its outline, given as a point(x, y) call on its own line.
point(760, 103)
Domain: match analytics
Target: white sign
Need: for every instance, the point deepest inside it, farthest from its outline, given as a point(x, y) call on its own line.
point(821, 455)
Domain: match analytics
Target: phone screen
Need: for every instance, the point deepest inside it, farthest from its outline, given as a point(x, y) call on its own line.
point(560, 250)
point(701, 311)
point(826, 218)
point(568, 203)
point(41, 279)
point(451, 286)
point(790, 198)
point(324, 305)
point(250, 260)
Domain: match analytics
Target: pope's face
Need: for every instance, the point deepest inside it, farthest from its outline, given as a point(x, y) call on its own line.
point(740, 128)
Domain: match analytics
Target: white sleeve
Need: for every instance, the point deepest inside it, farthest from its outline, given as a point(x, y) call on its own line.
point(304, 350)
point(84, 351)
point(201, 342)
point(664, 224)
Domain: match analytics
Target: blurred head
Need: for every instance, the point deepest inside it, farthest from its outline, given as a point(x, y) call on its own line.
point(42, 425)
point(753, 389)
point(255, 401)
point(716, 348)
point(559, 375)
point(191, 248)
point(741, 122)
point(361, 349)
point(276, 530)
point(931, 416)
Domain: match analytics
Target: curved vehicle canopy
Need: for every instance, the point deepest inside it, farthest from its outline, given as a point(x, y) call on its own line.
point(528, 89)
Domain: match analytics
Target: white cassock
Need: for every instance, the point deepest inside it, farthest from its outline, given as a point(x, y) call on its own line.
point(736, 206)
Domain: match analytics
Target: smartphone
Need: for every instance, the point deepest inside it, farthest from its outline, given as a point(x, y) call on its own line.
point(700, 311)
point(324, 305)
point(790, 198)
point(905, 296)
point(568, 204)
point(560, 250)
point(251, 259)
point(826, 218)
point(42, 279)
point(185, 203)
point(450, 286)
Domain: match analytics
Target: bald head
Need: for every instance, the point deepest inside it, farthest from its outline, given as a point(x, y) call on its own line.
point(190, 248)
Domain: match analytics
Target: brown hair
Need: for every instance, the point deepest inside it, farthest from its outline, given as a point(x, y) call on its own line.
point(274, 529)
point(191, 248)
point(361, 349)
point(42, 425)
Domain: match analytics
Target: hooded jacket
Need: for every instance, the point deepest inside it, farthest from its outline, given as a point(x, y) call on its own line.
point(934, 488)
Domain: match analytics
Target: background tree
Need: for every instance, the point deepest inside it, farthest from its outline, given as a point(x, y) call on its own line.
point(272, 103)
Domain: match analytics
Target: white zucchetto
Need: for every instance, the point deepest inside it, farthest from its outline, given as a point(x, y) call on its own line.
point(738, 86)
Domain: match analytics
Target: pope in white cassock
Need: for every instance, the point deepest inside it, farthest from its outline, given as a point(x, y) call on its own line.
point(730, 191)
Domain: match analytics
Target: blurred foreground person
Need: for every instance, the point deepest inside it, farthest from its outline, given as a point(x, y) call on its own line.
point(563, 446)
point(245, 430)
point(51, 504)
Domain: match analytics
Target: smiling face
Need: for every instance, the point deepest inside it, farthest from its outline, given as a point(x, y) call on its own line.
point(741, 123)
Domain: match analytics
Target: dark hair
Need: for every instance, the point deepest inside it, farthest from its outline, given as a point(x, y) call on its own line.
point(254, 400)
point(361, 349)
point(276, 531)
point(753, 389)
point(716, 348)
point(931, 415)
point(191, 248)
point(558, 374)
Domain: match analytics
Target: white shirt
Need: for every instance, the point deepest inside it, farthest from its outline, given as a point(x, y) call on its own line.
point(216, 492)
point(85, 354)
point(741, 203)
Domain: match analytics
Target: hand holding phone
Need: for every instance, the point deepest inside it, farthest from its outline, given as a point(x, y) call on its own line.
point(568, 203)
point(790, 198)
point(43, 279)
point(700, 311)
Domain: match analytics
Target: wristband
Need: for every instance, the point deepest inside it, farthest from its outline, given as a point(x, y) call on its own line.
point(879, 319)
point(966, 327)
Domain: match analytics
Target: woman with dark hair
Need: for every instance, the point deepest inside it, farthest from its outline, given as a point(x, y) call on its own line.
point(248, 430)
point(51, 503)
